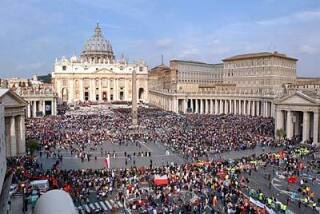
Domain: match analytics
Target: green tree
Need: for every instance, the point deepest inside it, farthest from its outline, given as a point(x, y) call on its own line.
point(32, 145)
point(280, 133)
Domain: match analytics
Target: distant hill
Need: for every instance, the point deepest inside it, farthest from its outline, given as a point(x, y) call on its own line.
point(45, 78)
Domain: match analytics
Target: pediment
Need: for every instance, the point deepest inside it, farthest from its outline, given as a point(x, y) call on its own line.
point(11, 99)
point(298, 99)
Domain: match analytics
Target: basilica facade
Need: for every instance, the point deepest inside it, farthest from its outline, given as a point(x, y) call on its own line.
point(97, 76)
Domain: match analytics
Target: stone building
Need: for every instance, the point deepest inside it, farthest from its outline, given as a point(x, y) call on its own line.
point(40, 97)
point(257, 84)
point(14, 117)
point(97, 76)
point(3, 160)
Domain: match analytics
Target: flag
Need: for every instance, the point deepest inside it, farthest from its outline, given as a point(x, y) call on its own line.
point(107, 162)
point(161, 180)
point(292, 179)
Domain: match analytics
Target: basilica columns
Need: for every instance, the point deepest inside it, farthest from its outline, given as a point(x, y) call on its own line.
point(316, 127)
point(279, 120)
point(13, 137)
point(306, 126)
point(289, 125)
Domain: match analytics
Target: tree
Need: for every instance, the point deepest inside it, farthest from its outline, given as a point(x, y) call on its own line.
point(280, 133)
point(32, 145)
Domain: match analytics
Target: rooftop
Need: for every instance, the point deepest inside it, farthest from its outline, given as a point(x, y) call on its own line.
point(258, 55)
point(194, 62)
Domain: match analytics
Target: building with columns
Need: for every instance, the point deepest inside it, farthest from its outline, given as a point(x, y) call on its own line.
point(97, 76)
point(40, 97)
point(257, 84)
point(298, 115)
point(14, 120)
point(3, 160)
point(42, 102)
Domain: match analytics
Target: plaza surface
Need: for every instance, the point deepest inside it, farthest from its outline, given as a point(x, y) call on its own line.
point(159, 156)
point(131, 152)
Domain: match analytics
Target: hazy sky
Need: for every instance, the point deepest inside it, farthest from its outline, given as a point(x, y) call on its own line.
point(34, 33)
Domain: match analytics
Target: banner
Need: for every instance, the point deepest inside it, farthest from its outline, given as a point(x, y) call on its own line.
point(257, 203)
point(161, 180)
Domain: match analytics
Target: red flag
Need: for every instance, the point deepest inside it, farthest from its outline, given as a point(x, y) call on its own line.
point(161, 180)
point(107, 162)
point(292, 179)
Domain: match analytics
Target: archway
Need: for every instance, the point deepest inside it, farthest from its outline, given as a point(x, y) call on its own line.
point(141, 93)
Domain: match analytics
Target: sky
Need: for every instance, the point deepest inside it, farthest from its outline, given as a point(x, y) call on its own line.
point(34, 33)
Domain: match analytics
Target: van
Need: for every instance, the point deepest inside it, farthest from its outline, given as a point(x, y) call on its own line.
point(41, 185)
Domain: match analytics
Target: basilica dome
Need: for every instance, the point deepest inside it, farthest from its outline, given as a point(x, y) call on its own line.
point(97, 49)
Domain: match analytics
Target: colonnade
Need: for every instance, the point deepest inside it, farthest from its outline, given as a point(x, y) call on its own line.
point(228, 106)
point(239, 106)
point(299, 123)
point(15, 135)
point(39, 105)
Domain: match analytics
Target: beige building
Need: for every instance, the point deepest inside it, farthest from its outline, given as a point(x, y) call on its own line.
point(40, 97)
point(3, 160)
point(254, 84)
point(97, 76)
point(14, 117)
point(41, 101)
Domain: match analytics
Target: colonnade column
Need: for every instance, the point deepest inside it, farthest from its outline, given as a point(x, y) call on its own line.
point(220, 107)
point(216, 106)
point(253, 108)
point(21, 140)
point(245, 107)
point(29, 109)
point(306, 126)
point(13, 137)
point(258, 108)
point(226, 107)
point(43, 107)
point(279, 120)
point(234, 106)
point(34, 108)
point(315, 128)
point(289, 125)
point(185, 105)
point(196, 107)
point(249, 107)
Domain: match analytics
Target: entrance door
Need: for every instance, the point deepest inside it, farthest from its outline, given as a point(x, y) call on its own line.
point(104, 96)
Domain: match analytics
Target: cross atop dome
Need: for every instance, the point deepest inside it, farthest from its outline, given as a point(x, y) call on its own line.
point(98, 32)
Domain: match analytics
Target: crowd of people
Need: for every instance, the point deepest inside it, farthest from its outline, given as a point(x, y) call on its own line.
point(192, 136)
point(218, 186)
point(201, 185)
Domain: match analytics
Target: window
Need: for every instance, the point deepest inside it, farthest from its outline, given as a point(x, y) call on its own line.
point(140, 68)
point(64, 68)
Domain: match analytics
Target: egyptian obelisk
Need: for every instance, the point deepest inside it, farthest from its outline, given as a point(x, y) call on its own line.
point(134, 100)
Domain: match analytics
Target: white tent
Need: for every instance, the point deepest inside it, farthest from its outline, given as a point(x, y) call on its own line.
point(55, 201)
